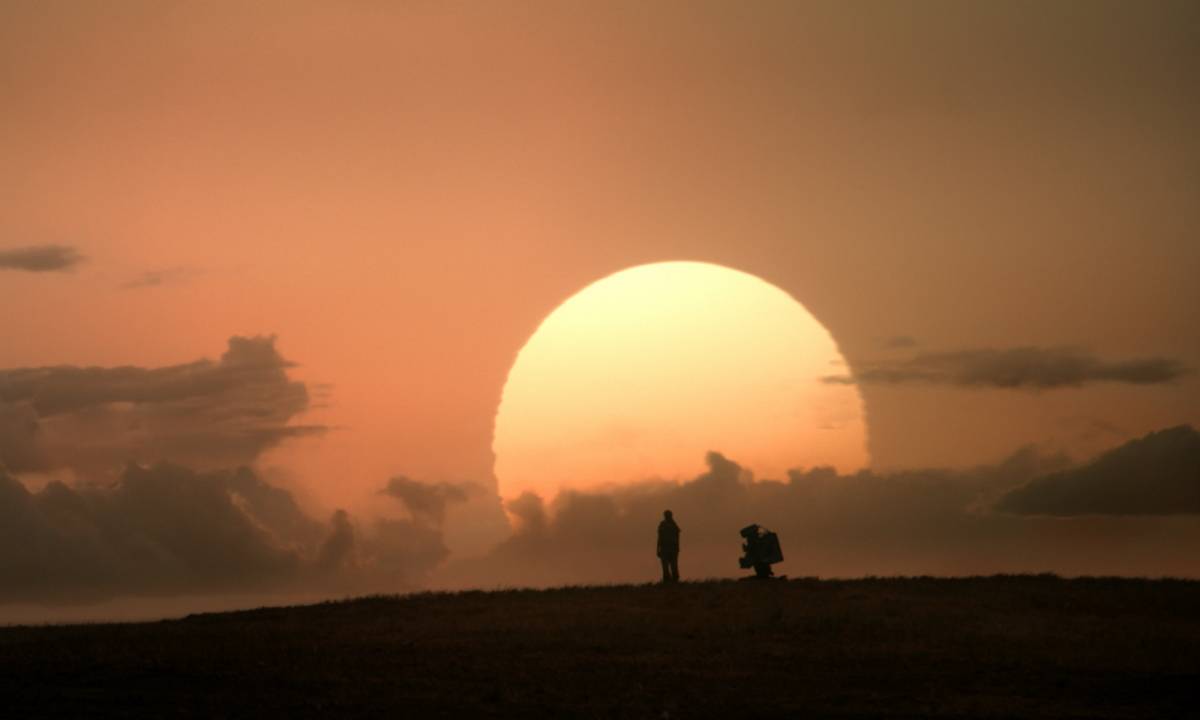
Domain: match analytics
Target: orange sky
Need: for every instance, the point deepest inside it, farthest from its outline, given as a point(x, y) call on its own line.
point(403, 192)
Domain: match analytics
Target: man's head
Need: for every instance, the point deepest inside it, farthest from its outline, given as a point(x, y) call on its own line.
point(667, 515)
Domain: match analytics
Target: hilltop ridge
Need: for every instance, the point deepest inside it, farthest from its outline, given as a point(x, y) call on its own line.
point(982, 647)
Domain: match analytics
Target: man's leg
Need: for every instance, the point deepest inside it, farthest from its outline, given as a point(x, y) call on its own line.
point(675, 568)
point(666, 560)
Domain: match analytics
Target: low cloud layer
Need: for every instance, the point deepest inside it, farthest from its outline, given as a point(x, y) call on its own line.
point(937, 522)
point(1155, 475)
point(159, 530)
point(168, 530)
point(114, 482)
point(40, 258)
point(1029, 368)
point(203, 414)
point(830, 524)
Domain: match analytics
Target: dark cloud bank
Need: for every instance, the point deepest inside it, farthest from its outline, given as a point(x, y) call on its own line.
point(1155, 475)
point(168, 530)
point(128, 523)
point(163, 529)
point(40, 258)
point(79, 522)
point(1025, 367)
point(939, 522)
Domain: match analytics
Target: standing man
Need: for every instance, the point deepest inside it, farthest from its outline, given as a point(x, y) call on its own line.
point(668, 547)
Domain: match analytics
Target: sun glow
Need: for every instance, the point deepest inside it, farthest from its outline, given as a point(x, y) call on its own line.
point(638, 375)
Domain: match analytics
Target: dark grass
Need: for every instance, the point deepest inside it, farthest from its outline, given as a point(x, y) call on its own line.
point(971, 647)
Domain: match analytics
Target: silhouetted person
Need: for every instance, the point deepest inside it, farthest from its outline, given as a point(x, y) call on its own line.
point(668, 547)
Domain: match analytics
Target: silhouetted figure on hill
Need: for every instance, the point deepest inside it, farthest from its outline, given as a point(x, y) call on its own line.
point(668, 547)
point(761, 550)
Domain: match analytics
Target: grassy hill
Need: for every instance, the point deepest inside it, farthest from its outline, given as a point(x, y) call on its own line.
point(972, 647)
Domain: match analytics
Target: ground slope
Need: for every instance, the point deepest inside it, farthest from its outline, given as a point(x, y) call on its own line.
point(975, 647)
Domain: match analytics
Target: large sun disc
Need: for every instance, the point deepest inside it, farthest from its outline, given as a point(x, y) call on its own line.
point(641, 373)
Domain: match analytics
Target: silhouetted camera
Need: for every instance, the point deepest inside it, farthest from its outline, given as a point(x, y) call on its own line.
point(761, 550)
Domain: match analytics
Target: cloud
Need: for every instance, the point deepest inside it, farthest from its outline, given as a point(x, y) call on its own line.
point(1158, 474)
point(158, 530)
point(157, 278)
point(1024, 368)
point(338, 551)
point(169, 530)
point(426, 502)
point(910, 522)
point(139, 499)
point(40, 258)
point(165, 530)
point(20, 448)
point(528, 513)
point(205, 414)
point(900, 341)
point(403, 552)
point(413, 547)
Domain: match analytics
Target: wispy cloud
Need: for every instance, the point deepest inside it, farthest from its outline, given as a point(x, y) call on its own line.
point(1031, 368)
point(40, 258)
point(157, 278)
point(900, 341)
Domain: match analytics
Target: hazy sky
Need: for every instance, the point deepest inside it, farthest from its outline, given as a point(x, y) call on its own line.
point(968, 195)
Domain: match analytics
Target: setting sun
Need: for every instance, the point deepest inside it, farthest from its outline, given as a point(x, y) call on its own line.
point(638, 375)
